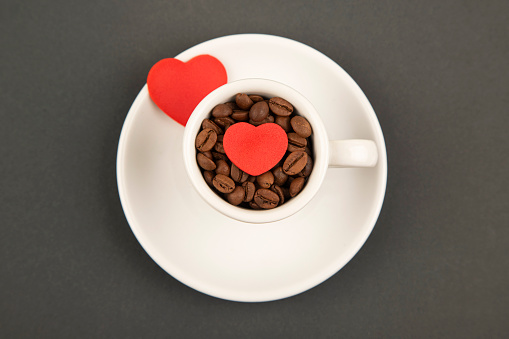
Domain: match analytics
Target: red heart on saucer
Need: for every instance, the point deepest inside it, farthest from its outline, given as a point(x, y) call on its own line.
point(177, 87)
point(255, 150)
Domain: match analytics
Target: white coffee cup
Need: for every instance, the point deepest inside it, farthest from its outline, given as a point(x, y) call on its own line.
point(327, 153)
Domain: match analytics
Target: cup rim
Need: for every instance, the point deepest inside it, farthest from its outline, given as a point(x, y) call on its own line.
point(264, 87)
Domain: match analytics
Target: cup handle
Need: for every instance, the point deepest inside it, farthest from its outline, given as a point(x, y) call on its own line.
point(352, 153)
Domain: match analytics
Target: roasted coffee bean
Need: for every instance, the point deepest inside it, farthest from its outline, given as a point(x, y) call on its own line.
point(256, 98)
point(249, 191)
point(259, 111)
point(254, 206)
point(222, 167)
point(205, 163)
point(238, 175)
point(279, 191)
point(301, 126)
point(308, 150)
point(292, 148)
point(236, 197)
point(266, 198)
point(221, 111)
point(295, 162)
point(286, 193)
point(289, 181)
point(243, 101)
point(307, 169)
point(218, 147)
point(223, 183)
point(265, 180)
point(219, 156)
point(297, 141)
point(220, 138)
point(251, 179)
point(280, 177)
point(209, 155)
point(269, 118)
point(296, 186)
point(205, 140)
point(224, 122)
point(207, 123)
point(209, 175)
point(240, 115)
point(284, 122)
point(232, 105)
point(280, 106)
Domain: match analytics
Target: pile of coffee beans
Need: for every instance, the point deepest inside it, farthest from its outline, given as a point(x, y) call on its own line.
point(272, 188)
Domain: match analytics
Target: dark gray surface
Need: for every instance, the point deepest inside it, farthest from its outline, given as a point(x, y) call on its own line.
point(436, 264)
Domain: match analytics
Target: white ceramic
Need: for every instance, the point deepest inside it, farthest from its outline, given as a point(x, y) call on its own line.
point(228, 259)
point(336, 153)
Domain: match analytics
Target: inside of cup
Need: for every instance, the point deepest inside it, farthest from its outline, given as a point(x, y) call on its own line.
point(317, 148)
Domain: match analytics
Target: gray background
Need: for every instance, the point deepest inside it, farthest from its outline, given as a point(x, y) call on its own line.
point(436, 264)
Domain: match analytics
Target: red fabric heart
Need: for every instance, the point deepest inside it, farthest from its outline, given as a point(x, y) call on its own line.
point(255, 150)
point(177, 87)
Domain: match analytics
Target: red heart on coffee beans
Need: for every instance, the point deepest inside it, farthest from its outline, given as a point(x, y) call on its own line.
point(177, 87)
point(255, 150)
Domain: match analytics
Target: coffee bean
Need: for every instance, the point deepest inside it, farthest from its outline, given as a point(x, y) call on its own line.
point(295, 162)
point(205, 140)
point(222, 167)
point(218, 147)
point(223, 183)
point(286, 193)
point(208, 175)
point(292, 148)
point(308, 168)
point(254, 206)
point(249, 191)
point(221, 111)
point(301, 126)
point(243, 101)
point(265, 180)
point(280, 177)
point(232, 105)
point(236, 197)
point(308, 150)
point(269, 118)
point(280, 106)
point(256, 98)
point(259, 111)
point(289, 181)
point(224, 122)
point(240, 115)
point(205, 163)
point(284, 122)
point(208, 154)
point(219, 156)
point(265, 198)
point(207, 123)
point(251, 179)
point(279, 191)
point(296, 140)
point(238, 175)
point(296, 186)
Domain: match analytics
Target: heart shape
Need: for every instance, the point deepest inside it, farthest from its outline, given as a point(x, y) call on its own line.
point(177, 87)
point(255, 150)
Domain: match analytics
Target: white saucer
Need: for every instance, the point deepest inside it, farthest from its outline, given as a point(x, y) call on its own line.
point(251, 262)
